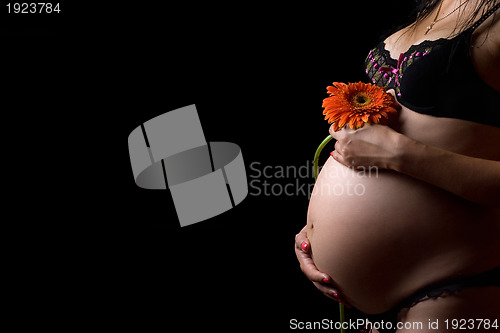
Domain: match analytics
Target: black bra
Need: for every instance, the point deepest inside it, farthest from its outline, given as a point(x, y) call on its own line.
point(438, 78)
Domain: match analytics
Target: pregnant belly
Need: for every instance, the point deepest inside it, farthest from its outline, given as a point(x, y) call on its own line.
point(382, 236)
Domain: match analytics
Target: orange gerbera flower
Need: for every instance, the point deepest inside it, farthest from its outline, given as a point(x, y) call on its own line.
point(355, 104)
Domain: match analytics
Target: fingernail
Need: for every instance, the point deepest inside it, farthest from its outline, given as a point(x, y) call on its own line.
point(304, 246)
point(336, 297)
point(325, 280)
point(331, 154)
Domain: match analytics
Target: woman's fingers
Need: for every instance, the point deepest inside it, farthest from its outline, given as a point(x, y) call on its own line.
point(331, 293)
point(301, 240)
point(339, 158)
point(321, 281)
point(309, 268)
point(327, 290)
point(302, 251)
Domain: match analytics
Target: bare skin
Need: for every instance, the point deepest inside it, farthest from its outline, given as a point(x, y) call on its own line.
point(421, 221)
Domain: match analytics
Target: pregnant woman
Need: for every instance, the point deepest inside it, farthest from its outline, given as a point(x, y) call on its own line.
point(418, 239)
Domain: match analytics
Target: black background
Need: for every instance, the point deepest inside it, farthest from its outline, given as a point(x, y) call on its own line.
point(90, 248)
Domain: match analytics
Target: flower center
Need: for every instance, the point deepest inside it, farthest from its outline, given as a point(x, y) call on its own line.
point(361, 99)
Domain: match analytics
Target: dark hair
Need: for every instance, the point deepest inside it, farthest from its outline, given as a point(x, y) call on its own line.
point(425, 7)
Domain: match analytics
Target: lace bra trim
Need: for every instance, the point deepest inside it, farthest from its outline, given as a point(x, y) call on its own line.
point(387, 72)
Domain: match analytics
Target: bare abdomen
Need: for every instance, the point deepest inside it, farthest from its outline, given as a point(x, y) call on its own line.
point(382, 236)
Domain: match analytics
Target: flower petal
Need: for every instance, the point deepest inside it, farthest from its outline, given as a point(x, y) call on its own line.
point(355, 104)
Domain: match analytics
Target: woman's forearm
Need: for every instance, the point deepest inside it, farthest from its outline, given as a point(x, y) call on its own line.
point(471, 178)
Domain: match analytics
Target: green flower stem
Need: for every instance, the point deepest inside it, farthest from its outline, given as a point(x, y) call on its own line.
point(318, 152)
point(316, 172)
point(342, 317)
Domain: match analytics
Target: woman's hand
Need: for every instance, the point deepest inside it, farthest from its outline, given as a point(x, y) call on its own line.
point(321, 280)
point(372, 145)
point(470, 178)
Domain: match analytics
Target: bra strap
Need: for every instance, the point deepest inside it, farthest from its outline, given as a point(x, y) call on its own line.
point(485, 17)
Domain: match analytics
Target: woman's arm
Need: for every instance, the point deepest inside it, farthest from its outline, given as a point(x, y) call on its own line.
point(471, 178)
point(474, 179)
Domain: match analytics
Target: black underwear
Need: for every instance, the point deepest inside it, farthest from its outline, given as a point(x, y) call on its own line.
point(487, 279)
